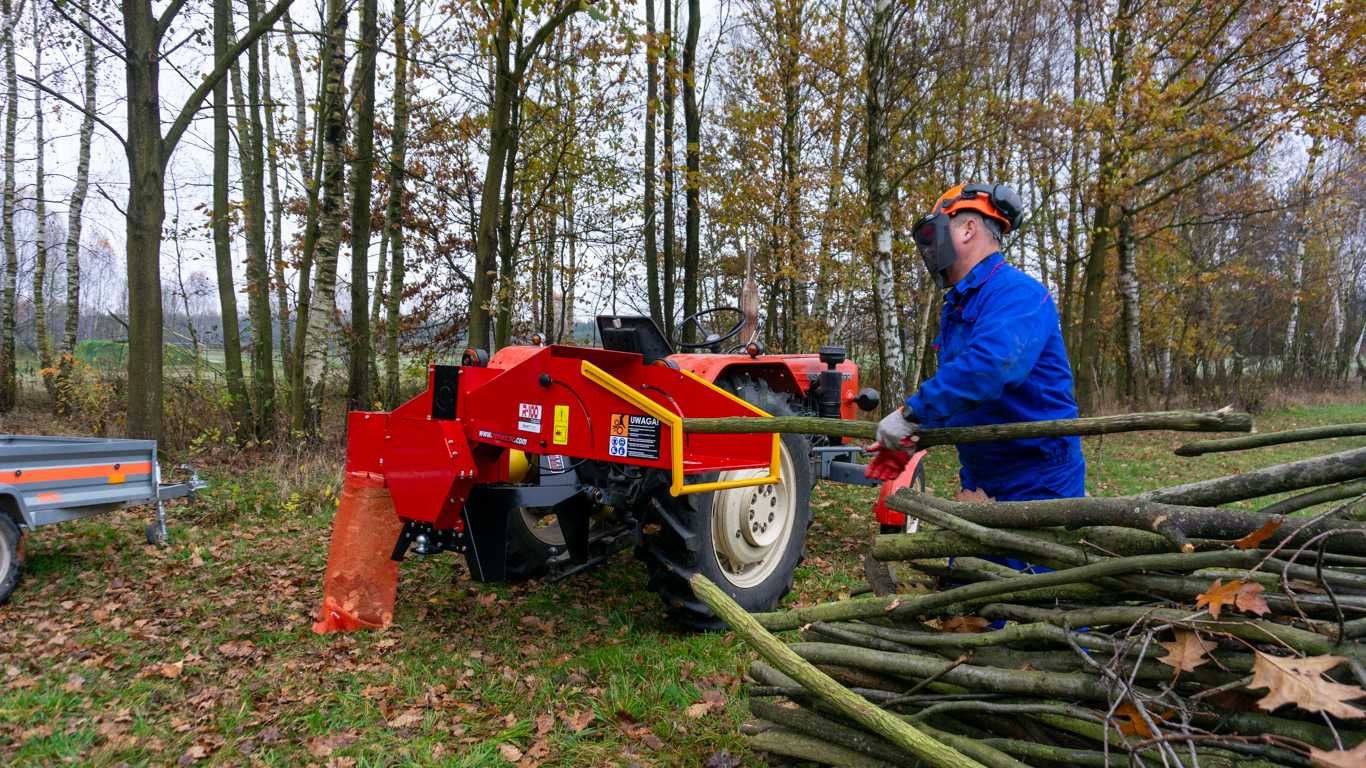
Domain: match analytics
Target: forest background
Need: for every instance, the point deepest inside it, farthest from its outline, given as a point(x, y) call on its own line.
point(232, 219)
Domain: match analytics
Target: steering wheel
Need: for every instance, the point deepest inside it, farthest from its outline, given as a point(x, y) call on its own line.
point(711, 340)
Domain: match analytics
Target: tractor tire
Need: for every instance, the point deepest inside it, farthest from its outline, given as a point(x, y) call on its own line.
point(714, 533)
point(532, 542)
point(11, 556)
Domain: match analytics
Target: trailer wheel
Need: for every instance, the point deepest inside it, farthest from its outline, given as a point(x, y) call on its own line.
point(11, 556)
point(746, 540)
point(532, 542)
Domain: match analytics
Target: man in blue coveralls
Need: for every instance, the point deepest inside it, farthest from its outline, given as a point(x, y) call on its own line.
point(1001, 354)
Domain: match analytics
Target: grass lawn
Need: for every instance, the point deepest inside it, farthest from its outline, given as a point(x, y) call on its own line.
point(120, 653)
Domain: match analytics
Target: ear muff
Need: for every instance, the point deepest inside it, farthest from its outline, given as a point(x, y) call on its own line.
point(1003, 204)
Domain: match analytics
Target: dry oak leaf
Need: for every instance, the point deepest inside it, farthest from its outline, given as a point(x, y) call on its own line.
point(510, 752)
point(1254, 539)
point(700, 709)
point(545, 723)
point(1301, 682)
point(1187, 651)
point(964, 624)
point(1354, 758)
point(1244, 596)
point(1131, 721)
point(406, 720)
point(577, 721)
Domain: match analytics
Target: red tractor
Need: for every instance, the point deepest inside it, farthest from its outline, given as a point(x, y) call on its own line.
point(542, 461)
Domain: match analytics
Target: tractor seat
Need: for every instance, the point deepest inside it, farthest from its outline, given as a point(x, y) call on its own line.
point(633, 333)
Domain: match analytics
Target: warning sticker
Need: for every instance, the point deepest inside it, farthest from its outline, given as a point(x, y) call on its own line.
point(635, 437)
point(561, 433)
point(529, 417)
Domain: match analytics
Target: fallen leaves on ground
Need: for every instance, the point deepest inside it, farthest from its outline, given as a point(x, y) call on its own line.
point(510, 752)
point(1187, 651)
point(1301, 682)
point(712, 701)
point(1242, 595)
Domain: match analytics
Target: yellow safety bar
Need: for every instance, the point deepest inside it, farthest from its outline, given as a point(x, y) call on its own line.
point(677, 486)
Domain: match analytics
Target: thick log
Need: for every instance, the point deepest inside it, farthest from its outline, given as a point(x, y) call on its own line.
point(1175, 521)
point(781, 741)
point(1102, 540)
point(1291, 476)
point(913, 605)
point(1183, 421)
point(849, 704)
point(811, 724)
point(1254, 630)
point(1263, 439)
point(1016, 682)
point(1317, 496)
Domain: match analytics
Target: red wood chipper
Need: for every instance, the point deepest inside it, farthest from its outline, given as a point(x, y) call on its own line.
point(543, 461)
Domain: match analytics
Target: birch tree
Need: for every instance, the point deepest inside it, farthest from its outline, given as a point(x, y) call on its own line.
point(75, 208)
point(323, 306)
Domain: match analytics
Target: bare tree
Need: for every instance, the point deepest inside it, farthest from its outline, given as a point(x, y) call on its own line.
point(73, 225)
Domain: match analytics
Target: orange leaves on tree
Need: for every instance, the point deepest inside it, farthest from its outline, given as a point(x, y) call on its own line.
point(1301, 682)
point(1254, 539)
point(1187, 651)
point(1242, 595)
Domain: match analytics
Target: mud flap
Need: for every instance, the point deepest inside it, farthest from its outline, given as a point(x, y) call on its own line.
point(362, 578)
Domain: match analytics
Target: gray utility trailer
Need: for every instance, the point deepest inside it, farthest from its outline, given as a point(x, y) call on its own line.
point(46, 480)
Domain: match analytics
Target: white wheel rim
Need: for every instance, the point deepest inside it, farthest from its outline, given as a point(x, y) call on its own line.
point(546, 529)
point(751, 527)
point(6, 557)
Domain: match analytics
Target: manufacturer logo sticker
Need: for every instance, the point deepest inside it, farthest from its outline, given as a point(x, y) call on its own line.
point(529, 417)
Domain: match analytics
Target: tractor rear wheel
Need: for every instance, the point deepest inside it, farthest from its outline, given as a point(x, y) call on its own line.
point(746, 540)
point(11, 556)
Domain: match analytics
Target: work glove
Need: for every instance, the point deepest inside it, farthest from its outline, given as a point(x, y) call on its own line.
point(896, 431)
point(886, 464)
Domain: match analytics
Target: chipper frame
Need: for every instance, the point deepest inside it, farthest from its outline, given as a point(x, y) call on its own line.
point(545, 460)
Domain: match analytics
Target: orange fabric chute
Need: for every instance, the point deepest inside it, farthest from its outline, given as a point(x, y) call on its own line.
point(362, 578)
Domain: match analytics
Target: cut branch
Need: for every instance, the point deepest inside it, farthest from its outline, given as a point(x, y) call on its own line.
point(1270, 438)
point(1292, 476)
point(1182, 421)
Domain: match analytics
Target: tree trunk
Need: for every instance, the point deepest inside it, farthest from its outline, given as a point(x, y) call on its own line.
point(1129, 292)
point(258, 267)
point(651, 225)
point(507, 278)
point(360, 391)
point(1075, 209)
point(1290, 352)
point(146, 212)
point(820, 300)
point(500, 122)
point(692, 184)
point(397, 174)
point(74, 222)
point(238, 404)
point(891, 357)
point(1087, 367)
point(792, 258)
point(40, 329)
point(8, 384)
point(322, 309)
point(277, 212)
point(667, 166)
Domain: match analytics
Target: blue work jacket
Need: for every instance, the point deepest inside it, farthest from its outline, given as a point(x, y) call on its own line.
point(1001, 360)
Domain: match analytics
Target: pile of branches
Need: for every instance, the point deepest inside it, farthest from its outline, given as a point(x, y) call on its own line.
point(1160, 629)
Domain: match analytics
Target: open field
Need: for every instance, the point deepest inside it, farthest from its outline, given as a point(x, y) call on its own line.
point(116, 652)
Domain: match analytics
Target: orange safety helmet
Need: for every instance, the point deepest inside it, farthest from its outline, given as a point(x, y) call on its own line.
point(995, 200)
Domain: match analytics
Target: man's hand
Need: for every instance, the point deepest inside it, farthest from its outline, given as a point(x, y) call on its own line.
point(896, 431)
